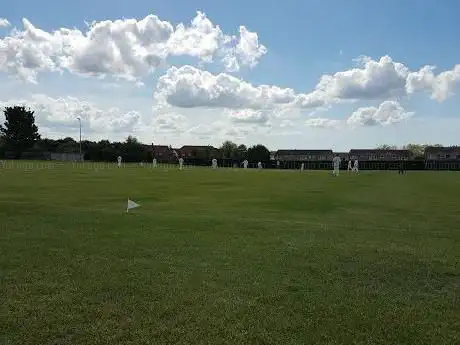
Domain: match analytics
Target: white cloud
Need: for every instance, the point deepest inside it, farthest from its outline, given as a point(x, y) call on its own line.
point(190, 87)
point(388, 112)
point(441, 86)
point(320, 122)
point(370, 80)
point(124, 48)
point(4, 23)
point(60, 115)
point(248, 51)
point(220, 130)
point(248, 116)
point(169, 123)
point(286, 124)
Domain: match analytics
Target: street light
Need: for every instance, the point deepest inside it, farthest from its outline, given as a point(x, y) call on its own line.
point(79, 120)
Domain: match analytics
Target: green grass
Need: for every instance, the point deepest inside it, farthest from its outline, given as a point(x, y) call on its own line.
point(228, 257)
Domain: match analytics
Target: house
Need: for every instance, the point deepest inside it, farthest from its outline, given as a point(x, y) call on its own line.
point(343, 155)
point(380, 154)
point(304, 155)
point(442, 153)
point(203, 152)
point(161, 152)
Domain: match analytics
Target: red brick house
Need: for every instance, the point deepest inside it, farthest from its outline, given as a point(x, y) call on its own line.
point(200, 152)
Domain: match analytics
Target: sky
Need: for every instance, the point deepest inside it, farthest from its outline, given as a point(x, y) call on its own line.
point(310, 74)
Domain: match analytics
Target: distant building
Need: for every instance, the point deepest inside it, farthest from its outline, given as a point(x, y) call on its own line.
point(304, 155)
point(380, 154)
point(343, 155)
point(205, 151)
point(442, 153)
point(161, 152)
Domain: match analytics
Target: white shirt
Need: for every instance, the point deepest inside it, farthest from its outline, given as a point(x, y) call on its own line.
point(336, 161)
point(181, 160)
point(356, 163)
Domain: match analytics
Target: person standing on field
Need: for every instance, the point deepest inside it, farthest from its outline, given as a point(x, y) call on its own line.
point(401, 170)
point(336, 163)
point(356, 166)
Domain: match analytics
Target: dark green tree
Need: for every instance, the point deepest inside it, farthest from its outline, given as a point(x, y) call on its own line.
point(19, 130)
point(258, 153)
point(229, 149)
point(242, 152)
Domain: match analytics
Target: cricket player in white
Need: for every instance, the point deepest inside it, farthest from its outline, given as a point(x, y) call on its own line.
point(119, 161)
point(356, 166)
point(349, 165)
point(336, 163)
point(214, 163)
point(181, 163)
point(259, 165)
point(245, 164)
point(302, 167)
point(154, 163)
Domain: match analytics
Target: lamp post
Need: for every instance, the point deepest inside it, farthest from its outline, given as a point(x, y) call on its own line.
point(79, 121)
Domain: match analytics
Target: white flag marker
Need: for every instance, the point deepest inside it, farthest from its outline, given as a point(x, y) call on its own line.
point(131, 204)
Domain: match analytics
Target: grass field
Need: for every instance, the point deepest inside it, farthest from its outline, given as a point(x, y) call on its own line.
point(228, 257)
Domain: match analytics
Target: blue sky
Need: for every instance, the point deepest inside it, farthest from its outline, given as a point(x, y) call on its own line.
point(297, 43)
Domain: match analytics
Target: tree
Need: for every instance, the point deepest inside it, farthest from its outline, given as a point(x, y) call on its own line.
point(19, 130)
point(134, 151)
point(242, 152)
point(258, 153)
point(418, 150)
point(387, 147)
point(228, 149)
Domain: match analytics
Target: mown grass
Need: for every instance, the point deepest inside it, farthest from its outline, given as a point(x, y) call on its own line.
point(228, 257)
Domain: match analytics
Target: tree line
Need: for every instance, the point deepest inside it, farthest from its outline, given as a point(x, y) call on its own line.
point(20, 138)
point(19, 134)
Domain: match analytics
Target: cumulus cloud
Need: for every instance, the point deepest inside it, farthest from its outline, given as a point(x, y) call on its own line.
point(248, 116)
point(370, 80)
point(320, 122)
point(169, 123)
point(124, 48)
point(440, 86)
point(224, 129)
point(60, 114)
point(4, 23)
point(388, 112)
point(248, 51)
point(190, 87)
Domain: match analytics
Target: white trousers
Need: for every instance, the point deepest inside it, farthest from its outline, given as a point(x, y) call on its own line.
point(336, 170)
